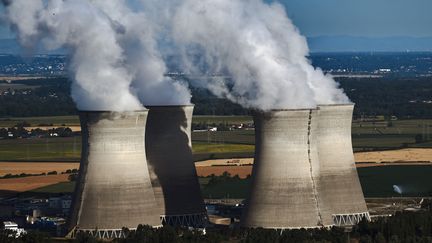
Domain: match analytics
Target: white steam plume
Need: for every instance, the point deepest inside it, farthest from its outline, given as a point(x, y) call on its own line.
point(113, 51)
point(139, 37)
point(257, 44)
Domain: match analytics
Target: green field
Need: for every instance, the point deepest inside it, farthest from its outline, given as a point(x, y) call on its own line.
point(62, 187)
point(370, 135)
point(376, 182)
point(41, 149)
point(415, 181)
point(222, 119)
point(35, 121)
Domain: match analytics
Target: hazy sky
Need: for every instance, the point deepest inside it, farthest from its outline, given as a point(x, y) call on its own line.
point(368, 18)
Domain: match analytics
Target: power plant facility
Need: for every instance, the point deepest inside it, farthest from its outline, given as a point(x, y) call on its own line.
point(341, 196)
point(114, 189)
point(172, 170)
point(283, 192)
point(137, 168)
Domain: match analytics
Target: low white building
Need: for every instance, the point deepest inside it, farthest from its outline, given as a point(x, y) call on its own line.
point(8, 225)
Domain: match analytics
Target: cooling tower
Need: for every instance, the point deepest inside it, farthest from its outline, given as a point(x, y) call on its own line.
point(283, 193)
point(173, 173)
point(340, 193)
point(114, 188)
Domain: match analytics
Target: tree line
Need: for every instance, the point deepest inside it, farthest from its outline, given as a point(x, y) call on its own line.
point(403, 227)
point(389, 96)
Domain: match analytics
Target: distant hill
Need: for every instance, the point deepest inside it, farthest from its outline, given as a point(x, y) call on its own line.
point(11, 46)
point(316, 44)
point(365, 44)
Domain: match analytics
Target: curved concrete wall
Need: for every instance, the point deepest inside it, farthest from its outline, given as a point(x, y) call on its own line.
point(283, 193)
point(173, 173)
point(338, 185)
point(114, 188)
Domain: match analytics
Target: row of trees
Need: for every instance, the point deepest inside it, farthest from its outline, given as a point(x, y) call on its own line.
point(22, 132)
point(403, 227)
point(401, 97)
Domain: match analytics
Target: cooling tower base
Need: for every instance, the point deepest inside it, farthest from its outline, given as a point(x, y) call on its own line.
point(99, 233)
point(186, 220)
point(349, 219)
point(102, 233)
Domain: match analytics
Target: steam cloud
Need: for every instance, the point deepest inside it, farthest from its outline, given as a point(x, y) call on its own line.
point(257, 44)
point(116, 60)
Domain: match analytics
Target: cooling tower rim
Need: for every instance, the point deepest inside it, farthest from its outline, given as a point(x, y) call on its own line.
point(108, 111)
point(277, 110)
point(335, 105)
point(168, 106)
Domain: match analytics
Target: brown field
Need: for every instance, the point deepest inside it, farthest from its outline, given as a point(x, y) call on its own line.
point(29, 183)
point(15, 168)
point(241, 171)
point(228, 162)
point(410, 155)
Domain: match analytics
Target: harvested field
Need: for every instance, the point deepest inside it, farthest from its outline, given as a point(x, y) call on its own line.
point(29, 183)
point(16, 168)
point(241, 171)
point(227, 162)
point(409, 155)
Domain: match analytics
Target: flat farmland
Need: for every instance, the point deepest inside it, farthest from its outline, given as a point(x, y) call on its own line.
point(222, 119)
point(241, 171)
point(30, 183)
point(15, 168)
point(41, 149)
point(36, 121)
point(409, 155)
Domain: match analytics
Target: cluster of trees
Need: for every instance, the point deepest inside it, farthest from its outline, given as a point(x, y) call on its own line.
point(225, 177)
point(49, 97)
point(22, 132)
point(72, 174)
point(403, 227)
point(401, 97)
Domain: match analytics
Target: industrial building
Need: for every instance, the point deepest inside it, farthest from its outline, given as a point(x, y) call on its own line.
point(114, 188)
point(340, 194)
point(172, 170)
point(283, 192)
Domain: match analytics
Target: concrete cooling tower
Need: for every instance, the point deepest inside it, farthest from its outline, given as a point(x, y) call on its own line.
point(340, 193)
point(114, 188)
point(283, 193)
point(173, 173)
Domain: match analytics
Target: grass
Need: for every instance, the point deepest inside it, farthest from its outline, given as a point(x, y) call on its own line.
point(62, 187)
point(414, 180)
point(35, 121)
point(230, 137)
point(376, 182)
point(41, 149)
point(377, 135)
point(199, 147)
point(222, 119)
point(226, 189)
